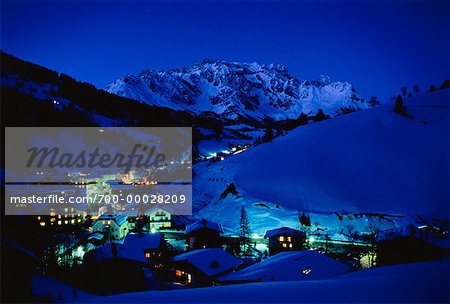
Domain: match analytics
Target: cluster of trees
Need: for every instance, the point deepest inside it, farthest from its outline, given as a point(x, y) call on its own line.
point(417, 90)
point(399, 108)
point(282, 127)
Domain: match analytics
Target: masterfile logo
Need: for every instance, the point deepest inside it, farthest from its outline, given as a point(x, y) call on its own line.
point(97, 169)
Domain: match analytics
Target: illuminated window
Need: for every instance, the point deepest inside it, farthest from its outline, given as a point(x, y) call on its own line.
point(147, 254)
point(284, 245)
point(178, 273)
point(72, 221)
point(59, 222)
point(281, 238)
point(290, 245)
point(52, 219)
point(39, 218)
point(59, 216)
point(189, 278)
point(79, 220)
point(66, 209)
point(288, 238)
point(66, 222)
point(109, 222)
point(306, 271)
point(42, 224)
point(52, 213)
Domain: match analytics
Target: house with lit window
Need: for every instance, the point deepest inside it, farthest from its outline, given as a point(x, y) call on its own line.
point(202, 267)
point(285, 239)
point(288, 266)
point(203, 234)
point(158, 219)
point(135, 261)
point(73, 215)
point(114, 226)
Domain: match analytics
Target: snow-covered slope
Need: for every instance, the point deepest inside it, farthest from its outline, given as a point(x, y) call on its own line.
point(239, 90)
point(374, 161)
point(420, 282)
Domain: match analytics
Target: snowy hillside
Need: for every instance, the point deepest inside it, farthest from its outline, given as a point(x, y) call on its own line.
point(239, 91)
point(420, 282)
point(375, 161)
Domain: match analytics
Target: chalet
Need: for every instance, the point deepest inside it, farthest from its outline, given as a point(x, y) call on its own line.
point(285, 239)
point(115, 227)
point(203, 234)
point(413, 243)
point(288, 266)
point(202, 267)
point(158, 219)
point(126, 266)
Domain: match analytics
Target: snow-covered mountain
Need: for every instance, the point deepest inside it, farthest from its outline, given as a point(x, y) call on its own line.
point(247, 91)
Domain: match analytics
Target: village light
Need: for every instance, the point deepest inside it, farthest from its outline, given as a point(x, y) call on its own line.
point(311, 239)
point(255, 236)
point(153, 230)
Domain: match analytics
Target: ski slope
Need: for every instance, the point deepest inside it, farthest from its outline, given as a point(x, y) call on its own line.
point(373, 161)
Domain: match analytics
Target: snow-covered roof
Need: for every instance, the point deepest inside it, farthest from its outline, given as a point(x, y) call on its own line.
point(150, 210)
point(204, 224)
point(120, 219)
point(133, 248)
point(282, 230)
point(290, 266)
point(143, 240)
point(416, 282)
point(96, 235)
point(210, 261)
point(131, 213)
point(437, 236)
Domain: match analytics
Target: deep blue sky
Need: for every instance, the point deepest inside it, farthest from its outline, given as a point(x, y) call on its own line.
point(378, 46)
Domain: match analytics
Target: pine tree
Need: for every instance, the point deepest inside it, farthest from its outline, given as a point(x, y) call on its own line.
point(404, 91)
point(398, 108)
point(432, 88)
point(244, 230)
point(302, 119)
point(268, 135)
point(417, 89)
point(373, 101)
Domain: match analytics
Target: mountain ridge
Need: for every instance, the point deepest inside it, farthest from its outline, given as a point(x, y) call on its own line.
point(239, 91)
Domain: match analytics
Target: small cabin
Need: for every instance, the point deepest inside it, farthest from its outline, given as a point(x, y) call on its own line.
point(202, 267)
point(158, 219)
point(203, 234)
point(285, 239)
point(115, 226)
point(127, 266)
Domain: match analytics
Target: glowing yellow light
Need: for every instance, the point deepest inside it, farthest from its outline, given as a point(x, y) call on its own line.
point(306, 271)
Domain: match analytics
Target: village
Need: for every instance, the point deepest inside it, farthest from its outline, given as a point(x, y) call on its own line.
point(121, 247)
point(132, 251)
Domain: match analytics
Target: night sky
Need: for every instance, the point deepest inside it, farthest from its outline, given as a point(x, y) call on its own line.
point(378, 46)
